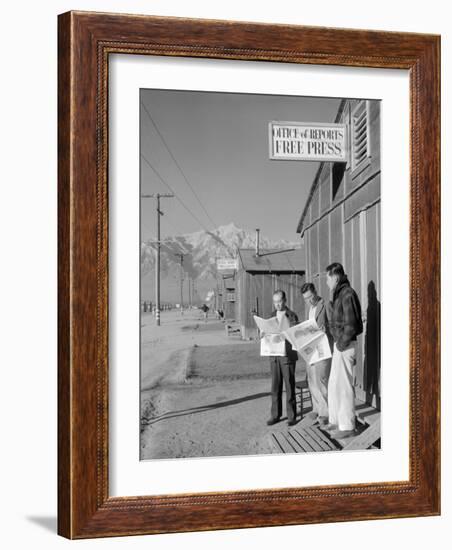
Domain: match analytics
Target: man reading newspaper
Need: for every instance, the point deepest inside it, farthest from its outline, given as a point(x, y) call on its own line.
point(318, 372)
point(282, 357)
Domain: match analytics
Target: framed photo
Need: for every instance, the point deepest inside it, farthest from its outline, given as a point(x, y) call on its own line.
point(248, 275)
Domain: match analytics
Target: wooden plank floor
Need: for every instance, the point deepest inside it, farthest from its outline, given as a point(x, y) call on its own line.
point(303, 440)
point(307, 436)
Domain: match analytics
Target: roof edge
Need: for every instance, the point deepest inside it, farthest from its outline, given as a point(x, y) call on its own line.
point(317, 175)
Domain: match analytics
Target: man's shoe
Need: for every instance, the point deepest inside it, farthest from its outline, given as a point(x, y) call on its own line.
point(291, 422)
point(342, 434)
point(272, 421)
point(329, 427)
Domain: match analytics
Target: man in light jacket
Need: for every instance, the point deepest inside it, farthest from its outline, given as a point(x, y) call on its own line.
point(318, 373)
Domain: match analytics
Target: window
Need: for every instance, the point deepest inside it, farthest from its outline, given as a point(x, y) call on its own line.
point(230, 297)
point(337, 179)
point(360, 135)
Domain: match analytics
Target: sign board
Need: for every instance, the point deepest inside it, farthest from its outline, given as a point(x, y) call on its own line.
point(307, 141)
point(226, 264)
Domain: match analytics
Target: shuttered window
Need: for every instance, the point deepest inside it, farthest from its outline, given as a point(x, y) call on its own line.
point(360, 134)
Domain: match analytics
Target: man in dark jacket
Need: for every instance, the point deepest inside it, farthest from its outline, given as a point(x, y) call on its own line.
point(346, 324)
point(283, 368)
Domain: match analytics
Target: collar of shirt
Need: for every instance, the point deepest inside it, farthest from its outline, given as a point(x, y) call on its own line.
point(312, 312)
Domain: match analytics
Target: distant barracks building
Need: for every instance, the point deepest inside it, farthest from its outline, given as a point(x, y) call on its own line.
point(258, 276)
point(341, 223)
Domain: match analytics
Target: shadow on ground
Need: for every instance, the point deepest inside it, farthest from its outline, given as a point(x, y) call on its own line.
point(212, 406)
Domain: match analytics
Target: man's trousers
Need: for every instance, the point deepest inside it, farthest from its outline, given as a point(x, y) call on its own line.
point(341, 389)
point(282, 369)
point(318, 375)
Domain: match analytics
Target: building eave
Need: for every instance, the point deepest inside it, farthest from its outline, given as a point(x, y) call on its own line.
point(317, 176)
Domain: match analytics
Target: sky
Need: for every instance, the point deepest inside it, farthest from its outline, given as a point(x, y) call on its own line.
point(220, 143)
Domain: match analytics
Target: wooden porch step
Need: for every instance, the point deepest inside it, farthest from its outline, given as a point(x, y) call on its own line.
point(308, 437)
point(300, 439)
point(366, 413)
point(368, 428)
point(365, 439)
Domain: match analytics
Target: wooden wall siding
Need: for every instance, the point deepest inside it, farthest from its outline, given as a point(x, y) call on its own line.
point(315, 206)
point(229, 309)
point(346, 229)
point(324, 254)
point(348, 240)
point(372, 310)
point(307, 241)
point(364, 197)
point(324, 240)
point(325, 188)
point(336, 236)
point(255, 291)
point(314, 250)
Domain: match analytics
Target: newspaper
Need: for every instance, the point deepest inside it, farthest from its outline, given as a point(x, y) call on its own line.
point(273, 342)
point(310, 342)
point(306, 338)
point(267, 326)
point(273, 345)
point(317, 350)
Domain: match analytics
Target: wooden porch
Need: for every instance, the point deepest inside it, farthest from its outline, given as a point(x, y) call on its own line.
point(308, 437)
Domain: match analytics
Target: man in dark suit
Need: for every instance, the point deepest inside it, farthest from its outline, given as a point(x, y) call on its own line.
point(283, 368)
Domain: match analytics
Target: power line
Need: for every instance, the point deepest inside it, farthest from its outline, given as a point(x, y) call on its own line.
point(184, 205)
point(176, 234)
point(177, 254)
point(181, 245)
point(177, 164)
point(172, 190)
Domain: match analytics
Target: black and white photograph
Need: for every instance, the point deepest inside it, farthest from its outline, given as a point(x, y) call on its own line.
point(260, 274)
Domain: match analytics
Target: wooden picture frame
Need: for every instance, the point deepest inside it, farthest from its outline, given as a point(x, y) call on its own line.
point(85, 42)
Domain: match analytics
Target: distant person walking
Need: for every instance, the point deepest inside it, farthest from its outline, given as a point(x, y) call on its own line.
point(205, 310)
point(318, 373)
point(283, 368)
point(346, 324)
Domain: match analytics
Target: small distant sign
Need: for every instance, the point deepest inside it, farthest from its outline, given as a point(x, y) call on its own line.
point(224, 264)
point(307, 141)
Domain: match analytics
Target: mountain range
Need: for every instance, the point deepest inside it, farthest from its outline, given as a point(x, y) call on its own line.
point(201, 249)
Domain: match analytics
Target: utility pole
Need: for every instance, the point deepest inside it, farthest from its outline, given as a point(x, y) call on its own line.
point(194, 290)
point(158, 196)
point(181, 256)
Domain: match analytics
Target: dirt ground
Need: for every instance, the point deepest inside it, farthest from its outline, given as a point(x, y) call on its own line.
point(203, 393)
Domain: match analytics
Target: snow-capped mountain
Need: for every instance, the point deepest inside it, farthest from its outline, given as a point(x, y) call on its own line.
point(201, 249)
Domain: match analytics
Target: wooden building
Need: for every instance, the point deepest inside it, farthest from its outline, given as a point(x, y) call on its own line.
point(227, 292)
point(341, 223)
point(258, 276)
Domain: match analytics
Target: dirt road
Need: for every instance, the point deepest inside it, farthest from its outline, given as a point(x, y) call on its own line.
point(203, 394)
